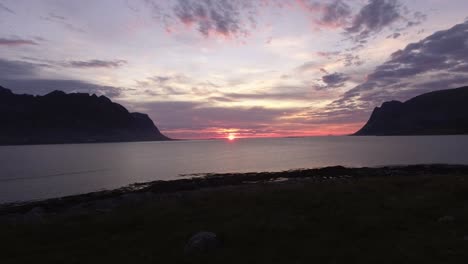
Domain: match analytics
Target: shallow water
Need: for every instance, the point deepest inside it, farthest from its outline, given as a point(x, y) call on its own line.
point(46, 171)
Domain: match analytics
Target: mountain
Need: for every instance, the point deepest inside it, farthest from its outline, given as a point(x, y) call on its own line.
point(436, 113)
point(70, 118)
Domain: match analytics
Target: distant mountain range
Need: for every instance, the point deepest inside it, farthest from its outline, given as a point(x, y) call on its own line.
point(436, 113)
point(70, 118)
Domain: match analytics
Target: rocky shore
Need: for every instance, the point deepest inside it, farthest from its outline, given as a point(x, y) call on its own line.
point(407, 214)
point(105, 201)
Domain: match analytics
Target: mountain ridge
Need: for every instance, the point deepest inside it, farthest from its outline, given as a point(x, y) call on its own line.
point(442, 112)
point(58, 117)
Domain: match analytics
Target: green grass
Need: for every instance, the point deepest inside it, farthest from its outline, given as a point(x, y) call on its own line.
point(366, 220)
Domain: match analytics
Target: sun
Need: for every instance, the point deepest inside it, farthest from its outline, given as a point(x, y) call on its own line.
point(231, 136)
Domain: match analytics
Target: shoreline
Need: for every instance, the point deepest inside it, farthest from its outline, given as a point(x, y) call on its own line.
point(398, 214)
point(140, 191)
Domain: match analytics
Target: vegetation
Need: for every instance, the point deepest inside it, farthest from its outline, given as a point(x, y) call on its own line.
point(420, 218)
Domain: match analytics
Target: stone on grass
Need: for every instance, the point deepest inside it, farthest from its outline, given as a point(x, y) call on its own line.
point(202, 242)
point(446, 219)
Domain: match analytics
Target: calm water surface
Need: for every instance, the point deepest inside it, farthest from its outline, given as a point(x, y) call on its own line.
point(45, 171)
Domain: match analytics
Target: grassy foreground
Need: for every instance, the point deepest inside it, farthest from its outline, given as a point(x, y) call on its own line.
point(420, 218)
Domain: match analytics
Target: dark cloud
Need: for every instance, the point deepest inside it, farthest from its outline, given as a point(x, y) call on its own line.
point(24, 77)
point(374, 17)
point(58, 17)
point(6, 9)
point(394, 35)
point(443, 50)
point(84, 64)
point(161, 79)
point(16, 42)
point(335, 14)
point(97, 64)
point(220, 17)
point(347, 57)
point(434, 63)
point(417, 19)
point(18, 69)
point(207, 16)
point(334, 80)
point(350, 59)
point(234, 18)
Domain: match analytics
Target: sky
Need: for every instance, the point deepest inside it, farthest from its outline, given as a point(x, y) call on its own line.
point(250, 68)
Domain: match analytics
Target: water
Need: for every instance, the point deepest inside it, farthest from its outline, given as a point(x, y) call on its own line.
point(46, 171)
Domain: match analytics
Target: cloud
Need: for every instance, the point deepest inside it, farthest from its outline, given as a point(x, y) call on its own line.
point(6, 9)
point(335, 80)
point(210, 16)
point(374, 17)
point(24, 77)
point(297, 93)
point(436, 62)
point(172, 85)
point(18, 69)
point(183, 119)
point(328, 54)
point(371, 19)
point(83, 64)
point(335, 14)
point(62, 21)
point(97, 64)
point(308, 66)
point(192, 115)
point(16, 42)
point(237, 18)
point(394, 35)
point(228, 18)
point(348, 58)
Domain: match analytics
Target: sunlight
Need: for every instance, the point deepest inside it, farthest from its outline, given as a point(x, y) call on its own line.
point(231, 136)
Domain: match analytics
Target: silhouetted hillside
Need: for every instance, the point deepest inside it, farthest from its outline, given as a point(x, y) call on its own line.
point(70, 118)
point(436, 113)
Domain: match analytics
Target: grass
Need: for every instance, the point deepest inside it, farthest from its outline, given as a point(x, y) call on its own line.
point(365, 220)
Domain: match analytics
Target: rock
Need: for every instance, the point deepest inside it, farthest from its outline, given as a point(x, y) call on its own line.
point(202, 242)
point(446, 219)
point(465, 238)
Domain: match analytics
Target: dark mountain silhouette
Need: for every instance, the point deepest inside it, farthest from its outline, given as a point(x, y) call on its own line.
point(70, 118)
point(436, 113)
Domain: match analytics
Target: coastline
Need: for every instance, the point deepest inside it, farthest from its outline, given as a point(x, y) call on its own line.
point(407, 214)
point(197, 182)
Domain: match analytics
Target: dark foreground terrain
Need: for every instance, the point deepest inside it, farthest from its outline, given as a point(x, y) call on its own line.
point(414, 214)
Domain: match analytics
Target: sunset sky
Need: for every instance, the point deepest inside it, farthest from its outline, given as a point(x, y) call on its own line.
point(207, 68)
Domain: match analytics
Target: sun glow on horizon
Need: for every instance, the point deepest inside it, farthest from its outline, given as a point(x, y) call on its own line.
point(231, 136)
